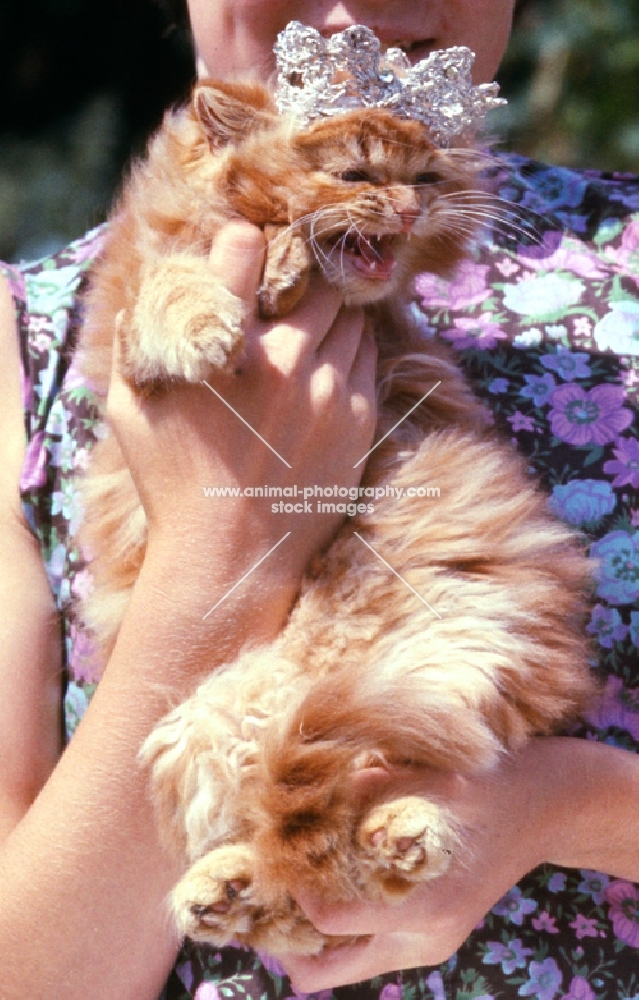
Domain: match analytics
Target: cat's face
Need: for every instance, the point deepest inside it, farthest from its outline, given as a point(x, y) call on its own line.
point(378, 202)
point(365, 195)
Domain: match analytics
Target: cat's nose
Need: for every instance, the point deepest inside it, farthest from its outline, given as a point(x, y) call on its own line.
point(408, 216)
point(406, 206)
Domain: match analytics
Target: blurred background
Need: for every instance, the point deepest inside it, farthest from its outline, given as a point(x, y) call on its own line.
point(82, 84)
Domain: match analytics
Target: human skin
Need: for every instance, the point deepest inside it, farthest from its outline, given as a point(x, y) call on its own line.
point(237, 36)
point(83, 876)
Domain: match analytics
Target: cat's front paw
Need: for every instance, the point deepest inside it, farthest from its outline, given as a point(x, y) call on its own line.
point(404, 841)
point(184, 323)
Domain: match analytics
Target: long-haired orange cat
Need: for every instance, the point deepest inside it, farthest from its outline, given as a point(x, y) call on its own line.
point(250, 776)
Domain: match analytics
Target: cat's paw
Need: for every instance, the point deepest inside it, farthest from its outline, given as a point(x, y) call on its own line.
point(214, 900)
point(183, 324)
point(220, 900)
point(286, 271)
point(405, 841)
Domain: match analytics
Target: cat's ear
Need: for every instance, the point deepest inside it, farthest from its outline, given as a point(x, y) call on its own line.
point(228, 112)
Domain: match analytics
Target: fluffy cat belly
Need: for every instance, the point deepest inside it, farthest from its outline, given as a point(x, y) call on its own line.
point(259, 759)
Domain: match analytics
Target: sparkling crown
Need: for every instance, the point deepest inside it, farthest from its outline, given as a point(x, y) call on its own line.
point(320, 77)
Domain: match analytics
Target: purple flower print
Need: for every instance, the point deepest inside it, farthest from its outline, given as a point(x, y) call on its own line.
point(498, 385)
point(544, 922)
point(567, 364)
point(607, 625)
point(579, 990)
point(557, 882)
point(435, 983)
point(514, 906)
point(583, 501)
point(539, 388)
point(615, 708)
point(272, 964)
point(468, 288)
point(584, 926)
point(617, 567)
point(634, 627)
point(625, 466)
point(545, 980)
point(594, 884)
point(623, 898)
point(481, 333)
point(510, 956)
point(595, 417)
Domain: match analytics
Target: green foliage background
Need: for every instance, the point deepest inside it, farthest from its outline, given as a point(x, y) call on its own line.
point(571, 75)
point(82, 84)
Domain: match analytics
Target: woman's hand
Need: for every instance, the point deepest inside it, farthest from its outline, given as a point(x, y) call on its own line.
point(305, 385)
point(559, 800)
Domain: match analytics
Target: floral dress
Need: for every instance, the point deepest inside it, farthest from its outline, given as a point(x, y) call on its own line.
point(544, 316)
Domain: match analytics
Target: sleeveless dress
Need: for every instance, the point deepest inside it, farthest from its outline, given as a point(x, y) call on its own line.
point(545, 319)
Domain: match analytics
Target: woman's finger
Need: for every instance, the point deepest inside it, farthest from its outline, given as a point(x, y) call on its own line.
point(237, 259)
point(362, 960)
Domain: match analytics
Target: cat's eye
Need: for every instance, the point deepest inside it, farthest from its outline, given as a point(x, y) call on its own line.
point(428, 177)
point(355, 176)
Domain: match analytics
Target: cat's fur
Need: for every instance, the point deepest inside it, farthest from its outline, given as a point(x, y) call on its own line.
point(250, 775)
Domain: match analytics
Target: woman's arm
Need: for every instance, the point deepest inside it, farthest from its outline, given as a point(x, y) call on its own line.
point(563, 801)
point(84, 879)
point(30, 682)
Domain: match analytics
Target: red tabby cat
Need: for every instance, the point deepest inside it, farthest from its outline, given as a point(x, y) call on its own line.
point(250, 775)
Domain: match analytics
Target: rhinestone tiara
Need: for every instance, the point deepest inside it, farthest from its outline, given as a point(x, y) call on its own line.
point(320, 77)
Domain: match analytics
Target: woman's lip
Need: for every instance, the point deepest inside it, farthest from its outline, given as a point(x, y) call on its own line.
point(390, 38)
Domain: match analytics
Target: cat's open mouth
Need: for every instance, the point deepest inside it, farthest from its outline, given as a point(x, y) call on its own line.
point(371, 256)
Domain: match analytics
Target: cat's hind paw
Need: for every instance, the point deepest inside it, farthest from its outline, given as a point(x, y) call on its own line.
point(405, 841)
point(213, 902)
point(220, 900)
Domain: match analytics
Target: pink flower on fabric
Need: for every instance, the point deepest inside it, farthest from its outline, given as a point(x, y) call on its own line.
point(85, 665)
point(626, 254)
point(582, 326)
point(623, 898)
point(507, 267)
point(207, 991)
point(544, 922)
point(584, 926)
point(468, 288)
point(520, 422)
point(34, 468)
point(579, 989)
point(583, 417)
point(569, 257)
point(82, 584)
point(391, 992)
point(480, 332)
